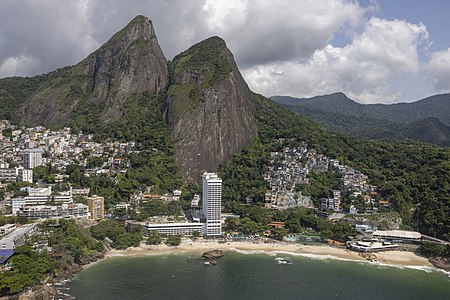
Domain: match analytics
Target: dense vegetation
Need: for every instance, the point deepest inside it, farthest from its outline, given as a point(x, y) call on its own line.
point(70, 240)
point(15, 91)
point(254, 221)
point(70, 244)
point(118, 234)
point(208, 58)
point(28, 268)
point(426, 120)
point(415, 177)
point(434, 250)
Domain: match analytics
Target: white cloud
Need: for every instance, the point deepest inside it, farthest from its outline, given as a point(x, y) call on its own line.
point(439, 69)
point(265, 31)
point(362, 69)
point(17, 65)
point(282, 47)
point(49, 34)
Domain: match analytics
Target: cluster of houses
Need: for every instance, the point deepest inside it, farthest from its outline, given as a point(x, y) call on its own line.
point(58, 148)
point(289, 169)
point(140, 198)
point(23, 149)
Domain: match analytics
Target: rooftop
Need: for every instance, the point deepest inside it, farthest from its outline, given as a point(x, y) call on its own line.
point(398, 234)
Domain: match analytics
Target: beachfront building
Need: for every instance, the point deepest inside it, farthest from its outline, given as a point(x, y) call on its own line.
point(96, 206)
point(32, 158)
point(398, 236)
point(211, 201)
point(14, 239)
point(176, 228)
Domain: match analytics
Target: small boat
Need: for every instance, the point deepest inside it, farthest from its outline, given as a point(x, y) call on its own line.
point(206, 263)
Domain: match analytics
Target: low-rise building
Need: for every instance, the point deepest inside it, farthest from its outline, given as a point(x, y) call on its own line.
point(73, 210)
point(7, 228)
point(399, 236)
point(176, 228)
point(122, 205)
point(8, 174)
point(14, 239)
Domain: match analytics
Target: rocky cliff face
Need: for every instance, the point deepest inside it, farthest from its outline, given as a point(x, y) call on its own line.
point(208, 107)
point(130, 62)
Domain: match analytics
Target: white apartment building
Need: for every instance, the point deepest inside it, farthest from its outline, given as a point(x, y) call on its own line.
point(74, 210)
point(176, 228)
point(25, 175)
point(14, 239)
point(39, 196)
point(9, 174)
point(211, 201)
point(32, 158)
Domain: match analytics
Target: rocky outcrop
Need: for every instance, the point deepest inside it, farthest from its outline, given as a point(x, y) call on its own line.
point(208, 107)
point(213, 254)
point(130, 62)
point(440, 262)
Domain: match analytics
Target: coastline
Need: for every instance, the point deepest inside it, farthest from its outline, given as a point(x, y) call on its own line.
point(399, 259)
point(390, 258)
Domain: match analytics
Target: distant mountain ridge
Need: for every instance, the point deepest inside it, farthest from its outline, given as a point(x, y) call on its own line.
point(426, 120)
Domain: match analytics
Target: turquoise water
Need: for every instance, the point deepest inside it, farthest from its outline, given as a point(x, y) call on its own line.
point(252, 276)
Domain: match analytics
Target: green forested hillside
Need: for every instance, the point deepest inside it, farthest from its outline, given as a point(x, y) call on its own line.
point(416, 177)
point(426, 120)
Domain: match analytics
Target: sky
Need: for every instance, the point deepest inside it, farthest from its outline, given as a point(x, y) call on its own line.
point(375, 51)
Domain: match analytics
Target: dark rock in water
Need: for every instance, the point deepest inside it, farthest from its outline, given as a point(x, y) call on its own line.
point(213, 254)
point(213, 262)
point(90, 258)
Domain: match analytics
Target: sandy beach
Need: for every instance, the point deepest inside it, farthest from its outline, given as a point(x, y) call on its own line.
point(394, 258)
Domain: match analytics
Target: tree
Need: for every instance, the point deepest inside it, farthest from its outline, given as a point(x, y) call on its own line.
point(278, 233)
point(195, 235)
point(154, 238)
point(232, 224)
point(173, 240)
point(250, 227)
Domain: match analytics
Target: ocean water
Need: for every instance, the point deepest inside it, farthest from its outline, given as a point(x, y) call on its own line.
point(252, 276)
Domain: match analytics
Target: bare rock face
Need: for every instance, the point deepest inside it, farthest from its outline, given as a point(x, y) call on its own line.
point(130, 62)
point(213, 254)
point(208, 107)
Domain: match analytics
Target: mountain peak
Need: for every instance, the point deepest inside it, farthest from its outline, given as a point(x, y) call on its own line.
point(209, 107)
point(140, 28)
point(130, 62)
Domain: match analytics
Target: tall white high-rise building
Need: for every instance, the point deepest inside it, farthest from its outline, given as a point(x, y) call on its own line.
point(32, 158)
point(212, 198)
